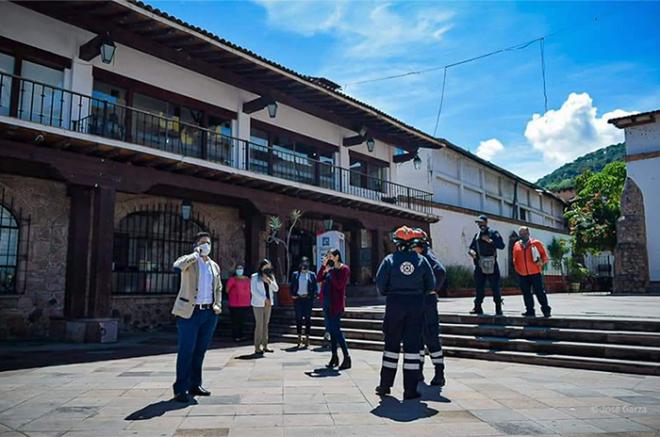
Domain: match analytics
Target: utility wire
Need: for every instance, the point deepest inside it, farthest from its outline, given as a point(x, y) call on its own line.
point(545, 91)
point(442, 99)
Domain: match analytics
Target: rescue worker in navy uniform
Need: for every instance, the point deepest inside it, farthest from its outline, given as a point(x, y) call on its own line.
point(483, 251)
point(431, 330)
point(404, 277)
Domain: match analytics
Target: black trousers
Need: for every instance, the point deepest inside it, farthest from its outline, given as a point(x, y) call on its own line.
point(533, 283)
point(493, 279)
point(431, 334)
point(303, 309)
point(239, 316)
point(404, 316)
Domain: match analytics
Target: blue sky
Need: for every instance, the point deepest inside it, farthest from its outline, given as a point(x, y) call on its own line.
point(602, 60)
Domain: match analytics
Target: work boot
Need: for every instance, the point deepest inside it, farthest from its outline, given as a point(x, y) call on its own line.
point(529, 314)
point(477, 309)
point(498, 309)
point(300, 341)
point(411, 394)
point(439, 379)
point(382, 391)
point(306, 342)
point(546, 312)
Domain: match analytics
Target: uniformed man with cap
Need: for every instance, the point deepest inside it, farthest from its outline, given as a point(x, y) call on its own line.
point(431, 331)
point(483, 251)
point(404, 277)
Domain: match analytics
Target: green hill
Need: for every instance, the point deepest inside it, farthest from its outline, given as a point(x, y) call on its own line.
point(564, 177)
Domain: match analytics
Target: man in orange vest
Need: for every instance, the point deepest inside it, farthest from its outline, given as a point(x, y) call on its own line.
point(529, 257)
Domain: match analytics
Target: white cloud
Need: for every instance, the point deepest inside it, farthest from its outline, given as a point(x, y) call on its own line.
point(574, 129)
point(363, 29)
point(489, 148)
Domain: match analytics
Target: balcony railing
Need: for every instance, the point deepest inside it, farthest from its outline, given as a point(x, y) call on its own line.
point(52, 106)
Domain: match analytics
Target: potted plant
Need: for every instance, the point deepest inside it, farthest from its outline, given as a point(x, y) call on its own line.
point(275, 225)
point(558, 249)
point(577, 273)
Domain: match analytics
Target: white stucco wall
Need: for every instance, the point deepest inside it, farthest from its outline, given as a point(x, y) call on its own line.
point(453, 234)
point(645, 138)
point(457, 180)
point(645, 174)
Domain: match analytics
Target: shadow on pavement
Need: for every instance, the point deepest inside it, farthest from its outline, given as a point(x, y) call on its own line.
point(293, 349)
point(252, 356)
point(322, 372)
point(430, 393)
point(402, 411)
point(158, 409)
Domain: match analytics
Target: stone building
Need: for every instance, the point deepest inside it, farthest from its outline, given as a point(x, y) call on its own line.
point(637, 254)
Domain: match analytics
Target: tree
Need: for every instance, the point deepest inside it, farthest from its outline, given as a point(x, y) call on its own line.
point(275, 224)
point(593, 214)
point(558, 249)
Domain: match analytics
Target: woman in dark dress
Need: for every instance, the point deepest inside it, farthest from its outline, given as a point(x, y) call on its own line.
point(335, 275)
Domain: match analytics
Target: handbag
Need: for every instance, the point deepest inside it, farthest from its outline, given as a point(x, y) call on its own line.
point(486, 263)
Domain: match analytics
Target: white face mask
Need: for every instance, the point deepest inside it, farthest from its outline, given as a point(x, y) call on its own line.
point(239, 272)
point(205, 248)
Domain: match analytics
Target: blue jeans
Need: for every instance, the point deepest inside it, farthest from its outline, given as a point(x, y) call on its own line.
point(195, 335)
point(333, 325)
point(303, 309)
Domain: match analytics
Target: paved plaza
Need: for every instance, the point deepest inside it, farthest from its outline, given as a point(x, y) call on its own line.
point(288, 393)
point(591, 305)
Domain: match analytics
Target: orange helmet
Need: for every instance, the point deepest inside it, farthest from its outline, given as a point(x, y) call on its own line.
point(404, 233)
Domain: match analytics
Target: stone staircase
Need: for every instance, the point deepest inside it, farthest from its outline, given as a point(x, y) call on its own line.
point(628, 346)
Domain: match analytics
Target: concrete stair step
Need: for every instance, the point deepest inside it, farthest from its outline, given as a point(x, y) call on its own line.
point(633, 353)
point(630, 338)
point(637, 325)
point(557, 360)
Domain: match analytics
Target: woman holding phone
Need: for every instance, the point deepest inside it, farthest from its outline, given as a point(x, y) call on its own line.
point(335, 275)
point(262, 287)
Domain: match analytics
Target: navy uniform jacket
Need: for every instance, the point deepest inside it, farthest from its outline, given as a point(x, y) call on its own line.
point(487, 249)
point(405, 273)
point(439, 271)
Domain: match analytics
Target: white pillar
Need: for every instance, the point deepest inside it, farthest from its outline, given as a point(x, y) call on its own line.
point(81, 80)
point(242, 132)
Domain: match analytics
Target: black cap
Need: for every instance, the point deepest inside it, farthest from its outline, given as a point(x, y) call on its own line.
point(481, 218)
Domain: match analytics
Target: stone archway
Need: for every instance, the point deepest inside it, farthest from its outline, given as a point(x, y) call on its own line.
point(631, 265)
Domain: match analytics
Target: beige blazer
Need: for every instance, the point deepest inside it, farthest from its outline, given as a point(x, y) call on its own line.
point(185, 300)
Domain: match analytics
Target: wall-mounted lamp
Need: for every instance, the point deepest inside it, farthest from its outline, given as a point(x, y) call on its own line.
point(327, 223)
point(99, 45)
point(186, 210)
point(417, 162)
point(272, 109)
point(260, 103)
point(371, 145)
point(107, 49)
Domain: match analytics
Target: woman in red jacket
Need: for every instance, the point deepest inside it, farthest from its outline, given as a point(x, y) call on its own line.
point(335, 275)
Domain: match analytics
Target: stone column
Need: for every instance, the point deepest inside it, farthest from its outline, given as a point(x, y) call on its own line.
point(631, 265)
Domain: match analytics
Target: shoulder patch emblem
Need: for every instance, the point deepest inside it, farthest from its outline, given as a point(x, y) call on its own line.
point(407, 268)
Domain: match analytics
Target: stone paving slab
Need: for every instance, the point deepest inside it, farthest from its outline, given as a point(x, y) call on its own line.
point(288, 394)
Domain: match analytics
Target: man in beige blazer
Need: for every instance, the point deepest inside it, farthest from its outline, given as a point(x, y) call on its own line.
point(196, 308)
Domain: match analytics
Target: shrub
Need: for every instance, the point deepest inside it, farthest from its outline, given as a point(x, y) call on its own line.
point(460, 277)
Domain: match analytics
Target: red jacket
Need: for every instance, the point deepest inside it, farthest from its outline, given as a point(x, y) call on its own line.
point(522, 258)
point(337, 285)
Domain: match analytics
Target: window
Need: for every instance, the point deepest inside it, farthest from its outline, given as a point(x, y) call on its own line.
point(9, 232)
point(219, 145)
point(524, 214)
point(107, 119)
point(146, 243)
point(41, 102)
point(368, 174)
point(7, 67)
point(293, 157)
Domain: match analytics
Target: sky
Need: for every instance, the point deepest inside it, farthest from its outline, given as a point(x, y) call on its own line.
point(602, 60)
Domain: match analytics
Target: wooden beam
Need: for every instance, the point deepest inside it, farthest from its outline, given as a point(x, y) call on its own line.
point(90, 49)
point(256, 105)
